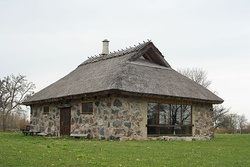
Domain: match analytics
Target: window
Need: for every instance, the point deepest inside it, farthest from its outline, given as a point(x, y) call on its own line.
point(169, 119)
point(45, 109)
point(164, 117)
point(87, 108)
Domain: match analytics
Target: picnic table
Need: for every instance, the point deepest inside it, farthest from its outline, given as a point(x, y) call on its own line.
point(28, 131)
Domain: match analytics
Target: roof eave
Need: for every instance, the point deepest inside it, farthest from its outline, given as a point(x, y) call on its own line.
point(122, 92)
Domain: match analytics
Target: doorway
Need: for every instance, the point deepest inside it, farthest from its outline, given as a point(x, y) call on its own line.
point(65, 116)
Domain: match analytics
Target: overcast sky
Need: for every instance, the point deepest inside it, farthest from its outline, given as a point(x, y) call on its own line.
point(46, 39)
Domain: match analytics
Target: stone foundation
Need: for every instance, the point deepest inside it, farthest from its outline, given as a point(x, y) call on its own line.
point(176, 138)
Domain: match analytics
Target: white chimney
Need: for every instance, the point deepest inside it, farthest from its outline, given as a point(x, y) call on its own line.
point(105, 48)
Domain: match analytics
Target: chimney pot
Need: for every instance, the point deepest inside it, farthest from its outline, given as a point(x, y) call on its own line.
point(105, 48)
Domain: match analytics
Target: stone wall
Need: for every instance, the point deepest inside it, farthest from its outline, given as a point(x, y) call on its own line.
point(203, 120)
point(112, 118)
point(45, 122)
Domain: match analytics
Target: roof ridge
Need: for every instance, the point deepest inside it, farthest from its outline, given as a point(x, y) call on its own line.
point(113, 54)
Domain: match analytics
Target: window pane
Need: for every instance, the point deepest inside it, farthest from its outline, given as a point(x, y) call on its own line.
point(186, 115)
point(175, 114)
point(164, 114)
point(152, 113)
point(152, 117)
point(87, 107)
point(46, 109)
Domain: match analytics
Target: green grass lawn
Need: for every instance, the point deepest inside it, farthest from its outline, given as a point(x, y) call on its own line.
point(225, 150)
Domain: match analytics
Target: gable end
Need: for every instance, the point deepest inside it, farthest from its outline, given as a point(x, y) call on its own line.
point(152, 54)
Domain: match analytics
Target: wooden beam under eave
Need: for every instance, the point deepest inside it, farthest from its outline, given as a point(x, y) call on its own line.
point(148, 57)
point(158, 58)
point(154, 56)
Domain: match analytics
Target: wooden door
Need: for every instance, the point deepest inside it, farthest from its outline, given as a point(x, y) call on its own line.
point(65, 116)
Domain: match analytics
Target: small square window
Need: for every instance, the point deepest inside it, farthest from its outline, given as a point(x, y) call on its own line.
point(87, 108)
point(45, 109)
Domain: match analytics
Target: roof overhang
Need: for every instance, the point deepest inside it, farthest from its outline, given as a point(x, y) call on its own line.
point(124, 93)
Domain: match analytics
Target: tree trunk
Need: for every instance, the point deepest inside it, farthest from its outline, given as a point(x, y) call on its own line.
point(4, 123)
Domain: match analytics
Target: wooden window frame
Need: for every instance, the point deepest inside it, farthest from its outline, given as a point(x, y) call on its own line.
point(45, 110)
point(84, 107)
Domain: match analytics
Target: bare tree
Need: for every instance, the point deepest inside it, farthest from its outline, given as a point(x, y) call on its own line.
point(247, 130)
point(13, 91)
point(196, 74)
point(229, 123)
point(242, 121)
point(200, 76)
point(219, 112)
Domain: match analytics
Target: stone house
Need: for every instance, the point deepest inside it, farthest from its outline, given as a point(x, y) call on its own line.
point(131, 94)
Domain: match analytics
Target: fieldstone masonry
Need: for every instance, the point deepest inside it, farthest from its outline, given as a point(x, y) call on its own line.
point(203, 120)
point(115, 118)
point(48, 123)
point(111, 118)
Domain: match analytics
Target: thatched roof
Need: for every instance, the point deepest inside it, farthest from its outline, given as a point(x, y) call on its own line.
point(137, 70)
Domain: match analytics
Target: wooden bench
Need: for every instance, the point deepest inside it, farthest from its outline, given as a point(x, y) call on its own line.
point(78, 135)
point(44, 134)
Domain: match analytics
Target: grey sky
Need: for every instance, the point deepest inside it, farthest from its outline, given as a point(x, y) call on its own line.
point(47, 39)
